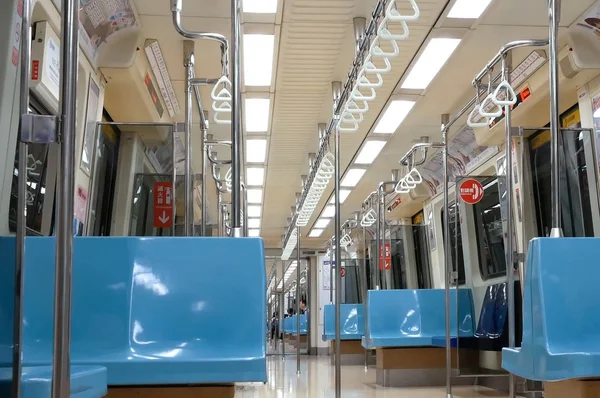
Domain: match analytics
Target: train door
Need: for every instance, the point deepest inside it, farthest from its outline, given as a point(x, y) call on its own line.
point(104, 179)
point(42, 166)
point(421, 246)
point(578, 179)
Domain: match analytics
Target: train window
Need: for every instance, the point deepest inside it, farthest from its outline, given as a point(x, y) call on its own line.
point(37, 182)
point(576, 213)
point(421, 252)
point(458, 258)
point(490, 235)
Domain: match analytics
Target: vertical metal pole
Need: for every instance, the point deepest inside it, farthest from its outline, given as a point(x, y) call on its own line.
point(189, 198)
point(510, 274)
point(298, 295)
point(66, 194)
point(236, 119)
point(378, 274)
point(308, 304)
point(447, 265)
point(365, 288)
point(21, 201)
point(174, 189)
point(554, 16)
point(331, 254)
point(204, 178)
point(284, 308)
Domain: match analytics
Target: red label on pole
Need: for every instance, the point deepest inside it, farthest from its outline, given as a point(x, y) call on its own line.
point(163, 205)
point(35, 70)
point(471, 191)
point(343, 272)
point(388, 257)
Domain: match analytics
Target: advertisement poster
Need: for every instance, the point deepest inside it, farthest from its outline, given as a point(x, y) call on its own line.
point(430, 229)
point(102, 21)
point(91, 117)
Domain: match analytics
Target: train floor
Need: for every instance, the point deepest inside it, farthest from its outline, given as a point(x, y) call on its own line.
point(316, 380)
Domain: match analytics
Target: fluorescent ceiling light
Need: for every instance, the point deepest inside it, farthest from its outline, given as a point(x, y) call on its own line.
point(394, 116)
point(254, 211)
point(254, 233)
point(431, 61)
point(258, 59)
point(369, 152)
point(315, 233)
point(257, 115)
point(255, 176)
point(254, 223)
point(255, 195)
point(322, 223)
point(260, 6)
point(353, 177)
point(329, 212)
point(344, 193)
point(468, 9)
point(256, 150)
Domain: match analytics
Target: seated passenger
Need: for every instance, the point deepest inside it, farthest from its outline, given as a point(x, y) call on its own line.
point(303, 307)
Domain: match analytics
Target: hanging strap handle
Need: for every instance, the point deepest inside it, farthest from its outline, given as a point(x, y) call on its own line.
point(490, 99)
point(393, 14)
point(511, 96)
point(385, 33)
point(474, 115)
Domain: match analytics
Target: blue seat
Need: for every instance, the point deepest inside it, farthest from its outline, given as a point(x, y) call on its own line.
point(292, 324)
point(413, 318)
point(492, 329)
point(561, 326)
point(150, 310)
point(352, 322)
point(36, 382)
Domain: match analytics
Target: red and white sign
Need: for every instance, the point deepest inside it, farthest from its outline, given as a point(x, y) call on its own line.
point(81, 202)
point(163, 205)
point(387, 248)
point(343, 272)
point(471, 191)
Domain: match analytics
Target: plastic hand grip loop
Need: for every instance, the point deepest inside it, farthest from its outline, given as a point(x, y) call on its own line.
point(363, 81)
point(376, 50)
point(473, 116)
point(394, 15)
point(371, 68)
point(511, 96)
point(385, 33)
point(491, 113)
point(224, 94)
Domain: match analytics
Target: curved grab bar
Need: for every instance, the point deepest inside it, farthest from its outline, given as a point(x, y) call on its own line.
point(214, 160)
point(393, 14)
point(511, 96)
point(482, 111)
point(471, 120)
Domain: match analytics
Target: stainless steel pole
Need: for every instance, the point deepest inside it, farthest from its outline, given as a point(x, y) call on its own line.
point(554, 16)
point(204, 129)
point(378, 274)
point(447, 263)
point(174, 189)
point(65, 202)
point(365, 289)
point(298, 296)
point(21, 201)
point(283, 305)
point(236, 119)
point(308, 305)
point(338, 275)
point(189, 197)
point(331, 281)
point(510, 274)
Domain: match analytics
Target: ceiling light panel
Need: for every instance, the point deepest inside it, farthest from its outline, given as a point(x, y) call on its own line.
point(344, 193)
point(329, 212)
point(255, 196)
point(256, 150)
point(259, 6)
point(322, 223)
point(258, 59)
point(254, 223)
point(254, 233)
point(468, 9)
point(369, 152)
point(393, 117)
point(315, 233)
point(254, 211)
point(257, 114)
point(430, 62)
point(353, 177)
point(255, 176)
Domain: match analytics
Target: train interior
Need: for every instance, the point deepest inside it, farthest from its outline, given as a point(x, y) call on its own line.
point(290, 198)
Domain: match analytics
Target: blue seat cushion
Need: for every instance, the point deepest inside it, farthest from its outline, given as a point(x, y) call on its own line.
point(352, 322)
point(36, 382)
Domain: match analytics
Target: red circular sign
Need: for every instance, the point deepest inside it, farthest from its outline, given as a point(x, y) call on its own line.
point(471, 191)
point(343, 272)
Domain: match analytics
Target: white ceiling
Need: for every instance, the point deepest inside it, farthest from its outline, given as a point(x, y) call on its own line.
point(314, 45)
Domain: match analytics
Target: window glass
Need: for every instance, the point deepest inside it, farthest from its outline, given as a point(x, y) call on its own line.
point(419, 230)
point(490, 235)
point(456, 247)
